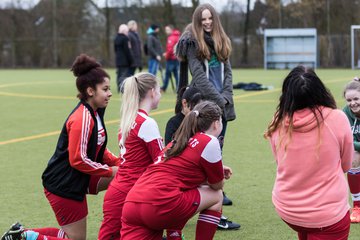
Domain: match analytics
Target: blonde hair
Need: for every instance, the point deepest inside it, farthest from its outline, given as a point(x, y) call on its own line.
point(131, 24)
point(222, 43)
point(135, 90)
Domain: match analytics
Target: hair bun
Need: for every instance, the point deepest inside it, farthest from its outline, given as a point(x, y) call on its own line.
point(83, 64)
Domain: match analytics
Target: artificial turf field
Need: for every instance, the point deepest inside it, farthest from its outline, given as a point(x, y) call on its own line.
point(35, 104)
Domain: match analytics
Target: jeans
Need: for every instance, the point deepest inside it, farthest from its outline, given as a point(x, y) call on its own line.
point(172, 67)
point(153, 66)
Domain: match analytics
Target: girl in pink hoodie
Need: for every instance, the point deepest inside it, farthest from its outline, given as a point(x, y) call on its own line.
point(313, 147)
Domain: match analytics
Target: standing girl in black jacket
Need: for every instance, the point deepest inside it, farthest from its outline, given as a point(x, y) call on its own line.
point(205, 49)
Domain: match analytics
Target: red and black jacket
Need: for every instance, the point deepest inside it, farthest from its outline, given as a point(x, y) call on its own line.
point(74, 161)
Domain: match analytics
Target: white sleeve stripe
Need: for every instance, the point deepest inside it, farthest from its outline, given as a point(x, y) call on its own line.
point(161, 145)
point(85, 129)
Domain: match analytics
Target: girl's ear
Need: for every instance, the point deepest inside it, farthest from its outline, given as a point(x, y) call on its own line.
point(184, 103)
point(217, 124)
point(153, 92)
point(90, 91)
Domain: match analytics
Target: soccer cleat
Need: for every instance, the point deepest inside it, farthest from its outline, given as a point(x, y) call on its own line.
point(355, 215)
point(16, 232)
point(225, 224)
point(226, 200)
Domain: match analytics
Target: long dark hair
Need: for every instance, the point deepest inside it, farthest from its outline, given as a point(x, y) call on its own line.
point(192, 95)
point(222, 42)
point(198, 120)
point(301, 89)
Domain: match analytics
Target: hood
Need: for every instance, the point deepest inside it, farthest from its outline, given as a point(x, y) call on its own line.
point(349, 113)
point(186, 41)
point(304, 120)
point(150, 31)
point(176, 33)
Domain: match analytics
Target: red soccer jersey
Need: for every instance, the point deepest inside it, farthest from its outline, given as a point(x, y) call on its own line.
point(201, 161)
point(142, 147)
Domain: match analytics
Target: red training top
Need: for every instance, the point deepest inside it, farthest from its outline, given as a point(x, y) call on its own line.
point(163, 181)
point(142, 147)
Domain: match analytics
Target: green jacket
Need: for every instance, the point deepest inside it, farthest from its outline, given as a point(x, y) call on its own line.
point(355, 127)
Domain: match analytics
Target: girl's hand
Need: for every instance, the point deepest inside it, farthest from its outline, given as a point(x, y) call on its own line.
point(114, 170)
point(227, 172)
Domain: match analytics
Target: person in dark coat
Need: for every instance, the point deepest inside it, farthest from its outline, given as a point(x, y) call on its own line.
point(123, 55)
point(154, 48)
point(135, 50)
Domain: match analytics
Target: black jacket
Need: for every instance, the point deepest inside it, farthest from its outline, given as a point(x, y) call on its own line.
point(187, 50)
point(122, 51)
point(154, 46)
point(135, 49)
point(172, 125)
point(60, 177)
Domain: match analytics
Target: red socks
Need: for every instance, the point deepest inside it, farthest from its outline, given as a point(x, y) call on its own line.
point(48, 233)
point(207, 224)
point(173, 234)
point(354, 185)
point(42, 237)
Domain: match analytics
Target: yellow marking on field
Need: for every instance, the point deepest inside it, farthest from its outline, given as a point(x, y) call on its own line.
point(29, 83)
point(256, 93)
point(37, 96)
point(238, 98)
point(278, 89)
point(338, 80)
point(23, 139)
point(48, 134)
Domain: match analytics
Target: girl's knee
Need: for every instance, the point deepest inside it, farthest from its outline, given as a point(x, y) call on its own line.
point(219, 200)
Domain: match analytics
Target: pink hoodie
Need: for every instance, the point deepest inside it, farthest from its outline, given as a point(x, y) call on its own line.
point(310, 188)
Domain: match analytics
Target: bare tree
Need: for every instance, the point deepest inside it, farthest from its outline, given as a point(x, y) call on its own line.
point(244, 58)
point(54, 33)
point(169, 17)
point(107, 30)
point(195, 3)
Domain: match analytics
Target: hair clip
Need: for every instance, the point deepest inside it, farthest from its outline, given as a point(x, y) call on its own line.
point(196, 112)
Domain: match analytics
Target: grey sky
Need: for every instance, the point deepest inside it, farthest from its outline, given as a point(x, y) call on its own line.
point(218, 4)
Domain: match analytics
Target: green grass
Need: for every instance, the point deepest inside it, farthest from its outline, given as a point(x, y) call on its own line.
point(34, 102)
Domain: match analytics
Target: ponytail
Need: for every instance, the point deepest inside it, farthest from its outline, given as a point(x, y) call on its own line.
point(198, 120)
point(187, 129)
point(135, 90)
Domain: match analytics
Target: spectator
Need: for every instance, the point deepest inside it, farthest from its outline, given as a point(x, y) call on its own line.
point(172, 64)
point(124, 58)
point(135, 50)
point(154, 49)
